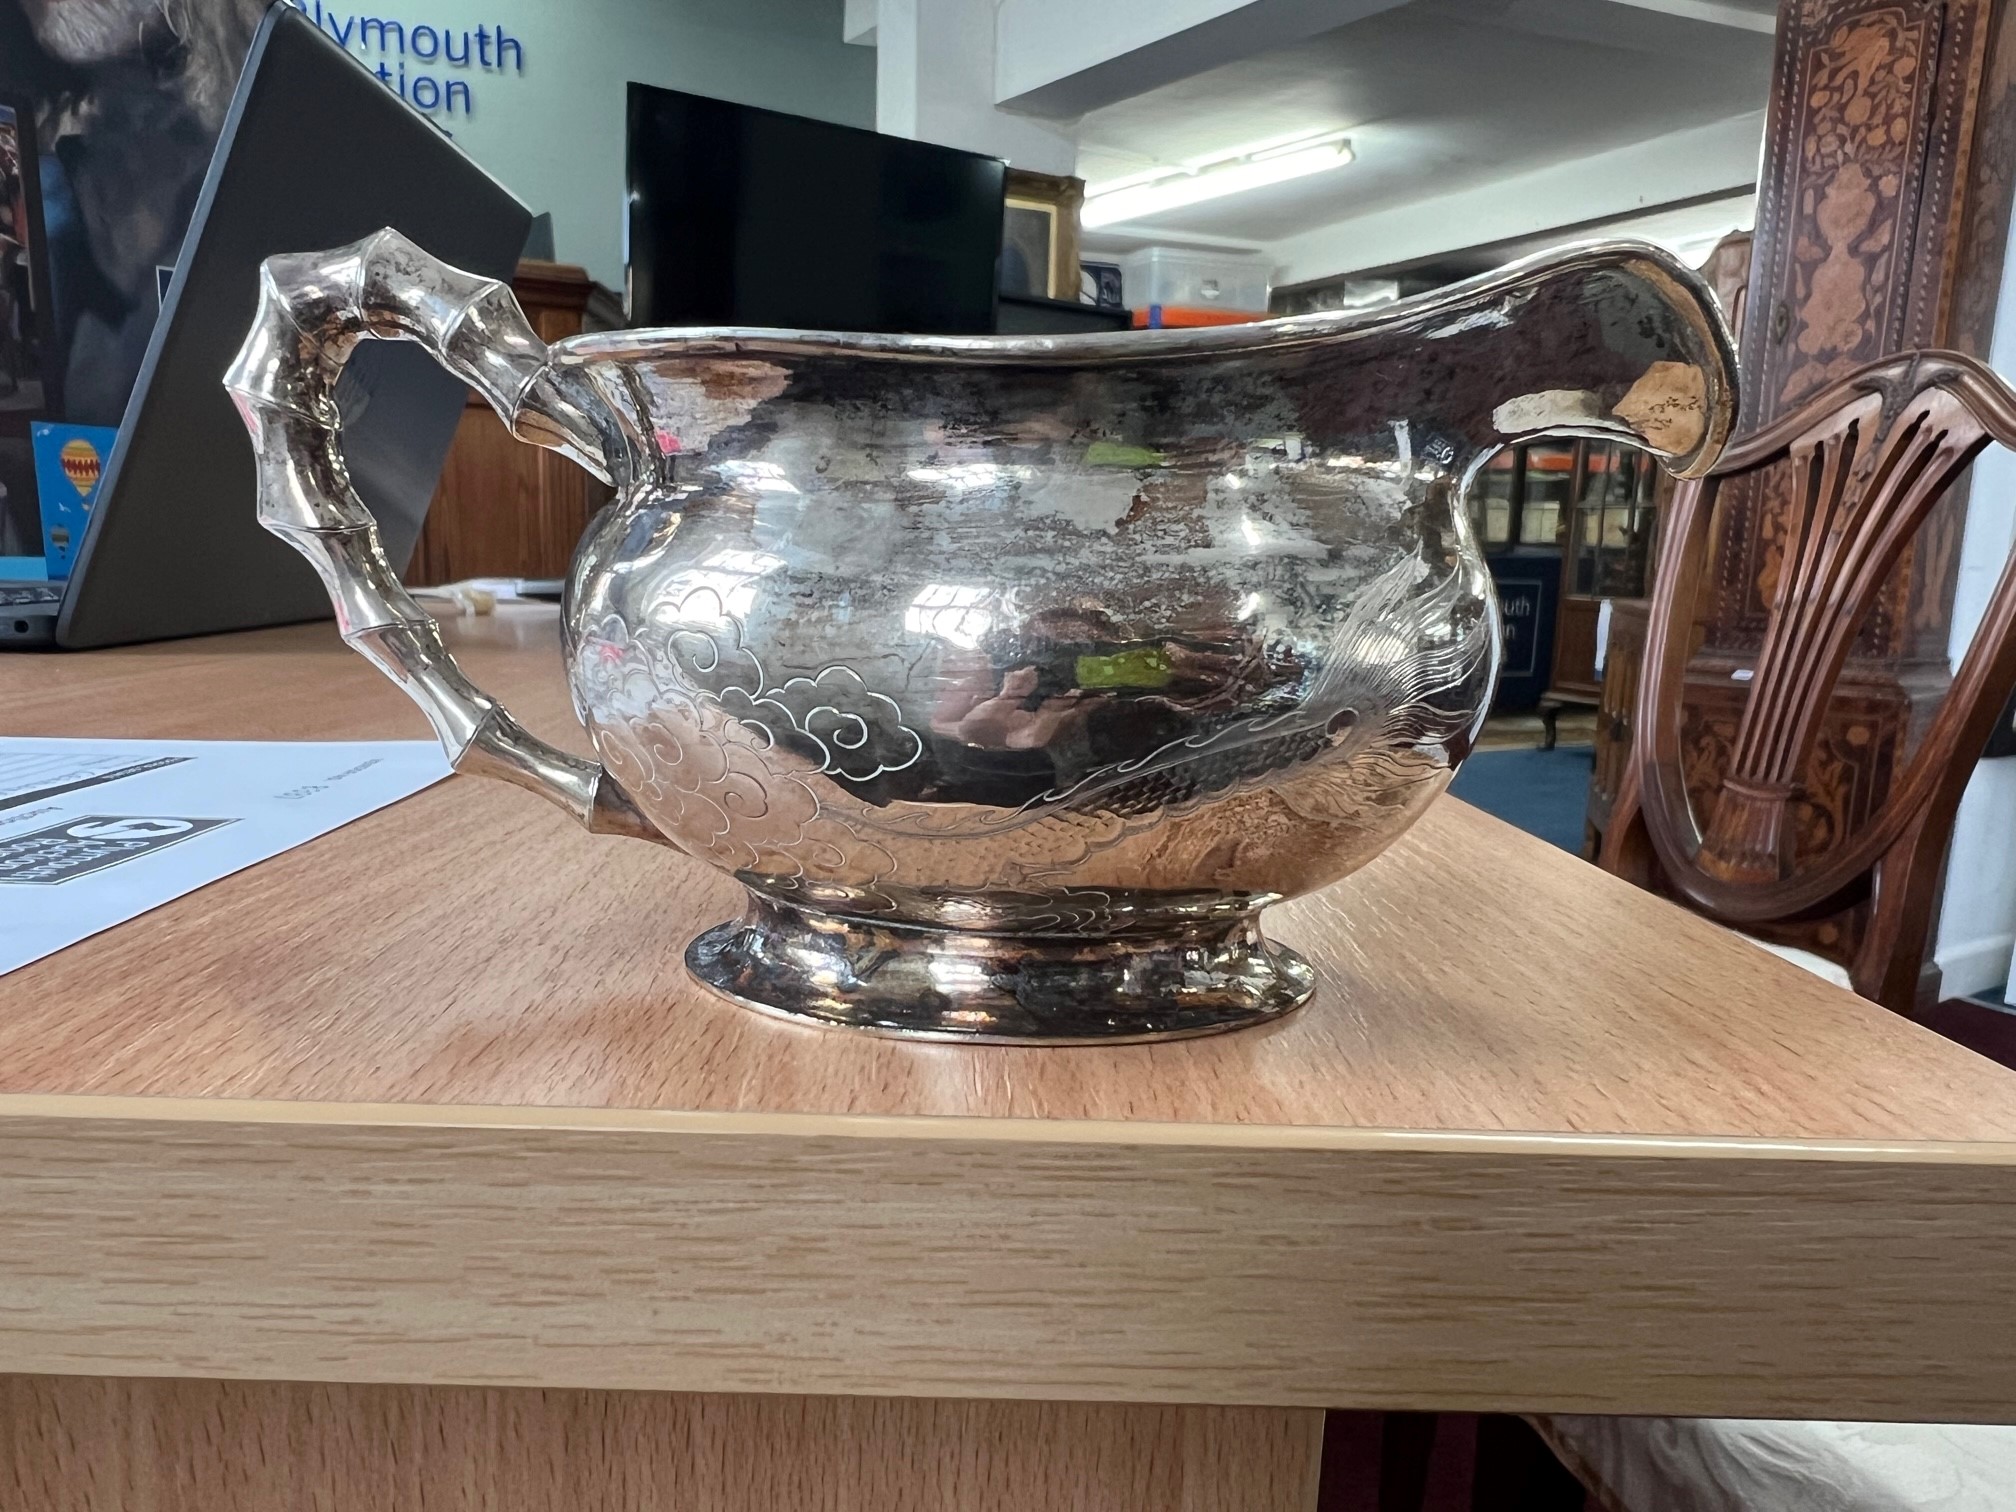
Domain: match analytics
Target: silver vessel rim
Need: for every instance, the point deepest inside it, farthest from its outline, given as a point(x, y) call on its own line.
point(658, 343)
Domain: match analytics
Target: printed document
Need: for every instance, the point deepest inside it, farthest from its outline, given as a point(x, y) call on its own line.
point(93, 832)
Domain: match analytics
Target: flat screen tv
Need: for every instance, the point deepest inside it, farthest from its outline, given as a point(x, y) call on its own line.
point(747, 217)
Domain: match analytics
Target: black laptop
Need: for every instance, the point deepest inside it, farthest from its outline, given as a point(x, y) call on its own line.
point(314, 153)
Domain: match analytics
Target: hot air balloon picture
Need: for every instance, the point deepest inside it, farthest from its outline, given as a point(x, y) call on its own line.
point(69, 465)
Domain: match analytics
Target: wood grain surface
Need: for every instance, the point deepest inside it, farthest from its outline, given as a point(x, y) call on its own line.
point(209, 1446)
point(468, 946)
point(877, 1257)
point(432, 1100)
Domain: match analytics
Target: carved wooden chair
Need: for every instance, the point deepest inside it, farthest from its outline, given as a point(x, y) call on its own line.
point(1871, 457)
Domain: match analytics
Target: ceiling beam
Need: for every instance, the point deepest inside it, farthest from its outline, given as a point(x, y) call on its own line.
point(1719, 158)
point(1061, 58)
point(1714, 12)
point(1107, 242)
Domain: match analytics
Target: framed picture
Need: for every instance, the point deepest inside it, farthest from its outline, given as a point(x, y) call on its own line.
point(27, 376)
point(1101, 284)
point(1039, 235)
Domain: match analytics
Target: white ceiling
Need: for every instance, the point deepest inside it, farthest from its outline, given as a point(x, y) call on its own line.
point(1690, 230)
point(1439, 97)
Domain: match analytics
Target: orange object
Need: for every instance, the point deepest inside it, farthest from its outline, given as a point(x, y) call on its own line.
point(1188, 315)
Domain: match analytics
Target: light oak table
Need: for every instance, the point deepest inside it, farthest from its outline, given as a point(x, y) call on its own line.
point(409, 1170)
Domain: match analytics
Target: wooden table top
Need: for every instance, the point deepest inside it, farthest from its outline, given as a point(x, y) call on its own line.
point(471, 946)
point(1517, 1074)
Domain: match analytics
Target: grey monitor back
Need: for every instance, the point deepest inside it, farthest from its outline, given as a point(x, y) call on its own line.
point(315, 152)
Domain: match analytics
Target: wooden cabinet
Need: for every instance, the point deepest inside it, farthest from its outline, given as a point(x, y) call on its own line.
point(504, 508)
point(1616, 706)
point(1607, 539)
point(1516, 508)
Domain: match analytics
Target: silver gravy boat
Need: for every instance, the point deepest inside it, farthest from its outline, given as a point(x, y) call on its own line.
point(1012, 676)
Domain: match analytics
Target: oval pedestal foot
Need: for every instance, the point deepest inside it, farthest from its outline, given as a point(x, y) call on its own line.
point(1050, 990)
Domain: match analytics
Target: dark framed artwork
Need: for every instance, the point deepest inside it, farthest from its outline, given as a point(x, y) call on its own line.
point(29, 378)
point(1102, 284)
point(1039, 234)
point(21, 548)
point(116, 105)
point(109, 110)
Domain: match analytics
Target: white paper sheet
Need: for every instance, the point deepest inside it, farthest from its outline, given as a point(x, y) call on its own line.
point(93, 832)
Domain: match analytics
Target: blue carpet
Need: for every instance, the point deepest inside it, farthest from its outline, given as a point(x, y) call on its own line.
point(1541, 792)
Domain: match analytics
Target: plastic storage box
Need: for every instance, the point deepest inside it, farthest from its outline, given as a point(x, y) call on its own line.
point(1182, 278)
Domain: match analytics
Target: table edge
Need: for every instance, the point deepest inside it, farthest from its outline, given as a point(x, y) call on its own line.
point(659, 1251)
point(267, 1114)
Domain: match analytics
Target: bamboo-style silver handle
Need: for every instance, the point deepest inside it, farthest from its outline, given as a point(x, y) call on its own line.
point(313, 309)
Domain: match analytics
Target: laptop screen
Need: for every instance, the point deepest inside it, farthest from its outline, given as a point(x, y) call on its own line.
point(25, 390)
point(108, 117)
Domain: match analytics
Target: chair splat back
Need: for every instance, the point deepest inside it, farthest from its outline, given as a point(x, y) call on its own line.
point(1869, 458)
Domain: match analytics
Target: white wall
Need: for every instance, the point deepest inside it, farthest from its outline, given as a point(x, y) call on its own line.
point(552, 131)
point(934, 82)
point(1977, 918)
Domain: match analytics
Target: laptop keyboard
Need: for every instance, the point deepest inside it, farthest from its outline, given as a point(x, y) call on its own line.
point(32, 593)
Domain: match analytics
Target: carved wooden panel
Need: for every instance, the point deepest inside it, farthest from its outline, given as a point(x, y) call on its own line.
point(1866, 141)
point(1854, 756)
point(1861, 742)
point(1862, 226)
point(1727, 270)
point(1854, 760)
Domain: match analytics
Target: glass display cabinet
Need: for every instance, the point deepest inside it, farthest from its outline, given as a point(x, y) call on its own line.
point(1517, 499)
point(1565, 525)
point(1609, 540)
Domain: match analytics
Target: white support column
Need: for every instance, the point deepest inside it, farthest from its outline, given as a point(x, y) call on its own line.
point(1977, 915)
point(934, 81)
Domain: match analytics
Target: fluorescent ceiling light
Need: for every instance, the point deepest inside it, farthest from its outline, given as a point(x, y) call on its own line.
point(1141, 195)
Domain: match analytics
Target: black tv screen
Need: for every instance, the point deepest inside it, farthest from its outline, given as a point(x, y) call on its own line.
point(740, 216)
